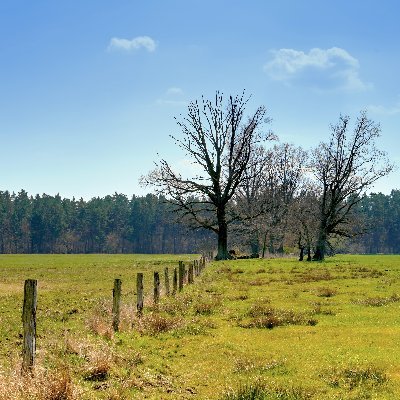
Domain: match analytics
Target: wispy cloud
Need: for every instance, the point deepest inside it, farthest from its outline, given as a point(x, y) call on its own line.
point(383, 110)
point(173, 96)
point(174, 91)
point(323, 68)
point(134, 44)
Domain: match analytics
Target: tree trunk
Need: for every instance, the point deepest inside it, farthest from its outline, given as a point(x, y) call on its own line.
point(255, 243)
point(222, 235)
point(301, 257)
point(320, 249)
point(264, 248)
point(309, 258)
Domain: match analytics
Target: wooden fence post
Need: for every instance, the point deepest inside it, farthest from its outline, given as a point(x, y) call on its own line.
point(166, 281)
point(29, 325)
point(190, 274)
point(181, 275)
point(175, 282)
point(116, 304)
point(156, 296)
point(139, 291)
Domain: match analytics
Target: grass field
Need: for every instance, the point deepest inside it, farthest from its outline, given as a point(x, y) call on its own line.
point(247, 329)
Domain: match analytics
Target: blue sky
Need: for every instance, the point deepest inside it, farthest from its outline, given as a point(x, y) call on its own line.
point(89, 89)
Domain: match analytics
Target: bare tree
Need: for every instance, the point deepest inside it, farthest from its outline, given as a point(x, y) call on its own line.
point(284, 177)
point(265, 197)
point(218, 140)
point(303, 219)
point(344, 169)
point(252, 201)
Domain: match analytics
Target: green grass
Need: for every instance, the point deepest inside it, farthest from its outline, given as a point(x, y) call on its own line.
point(247, 329)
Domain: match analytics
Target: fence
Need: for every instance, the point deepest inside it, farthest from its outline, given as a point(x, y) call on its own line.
point(180, 276)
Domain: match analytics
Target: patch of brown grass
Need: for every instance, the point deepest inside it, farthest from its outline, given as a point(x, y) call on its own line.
point(41, 385)
point(154, 323)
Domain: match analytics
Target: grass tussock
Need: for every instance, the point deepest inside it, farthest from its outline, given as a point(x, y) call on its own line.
point(41, 385)
point(351, 377)
point(96, 360)
point(260, 390)
point(148, 380)
point(326, 292)
point(154, 323)
point(191, 303)
point(319, 309)
point(264, 316)
point(239, 297)
point(377, 301)
point(313, 275)
point(246, 364)
point(98, 368)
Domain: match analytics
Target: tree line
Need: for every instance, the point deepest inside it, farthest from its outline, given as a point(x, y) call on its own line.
point(112, 224)
point(146, 224)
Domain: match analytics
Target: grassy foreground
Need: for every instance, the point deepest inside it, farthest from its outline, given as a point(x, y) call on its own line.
point(247, 329)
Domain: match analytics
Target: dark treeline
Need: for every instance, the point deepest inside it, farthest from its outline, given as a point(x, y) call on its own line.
point(113, 224)
point(381, 216)
point(117, 224)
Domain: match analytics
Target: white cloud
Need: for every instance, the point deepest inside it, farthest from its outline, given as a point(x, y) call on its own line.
point(321, 67)
point(136, 43)
point(174, 96)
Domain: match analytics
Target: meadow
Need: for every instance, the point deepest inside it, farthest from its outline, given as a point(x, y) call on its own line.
point(246, 329)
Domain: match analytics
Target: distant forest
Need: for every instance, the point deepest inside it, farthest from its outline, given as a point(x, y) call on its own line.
point(146, 224)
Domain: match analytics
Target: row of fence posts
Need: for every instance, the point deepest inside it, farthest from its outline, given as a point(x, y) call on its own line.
point(180, 276)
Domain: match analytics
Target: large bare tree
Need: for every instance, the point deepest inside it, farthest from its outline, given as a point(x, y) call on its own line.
point(220, 140)
point(344, 168)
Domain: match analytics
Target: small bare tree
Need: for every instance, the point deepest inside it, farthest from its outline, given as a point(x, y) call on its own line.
point(303, 219)
point(344, 169)
point(220, 142)
point(265, 199)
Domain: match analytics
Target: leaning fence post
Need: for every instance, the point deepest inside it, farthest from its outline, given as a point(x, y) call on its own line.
point(139, 291)
point(29, 325)
point(181, 275)
point(116, 303)
point(166, 280)
point(175, 282)
point(156, 296)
